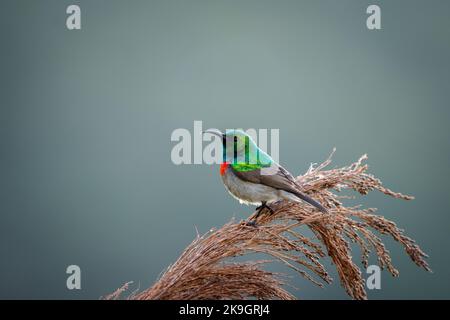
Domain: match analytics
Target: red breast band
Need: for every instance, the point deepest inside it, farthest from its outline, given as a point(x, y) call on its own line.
point(223, 168)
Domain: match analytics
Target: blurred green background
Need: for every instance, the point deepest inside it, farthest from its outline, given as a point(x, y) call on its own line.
point(86, 118)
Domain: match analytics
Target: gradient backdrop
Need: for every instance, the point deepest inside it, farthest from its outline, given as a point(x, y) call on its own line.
point(86, 117)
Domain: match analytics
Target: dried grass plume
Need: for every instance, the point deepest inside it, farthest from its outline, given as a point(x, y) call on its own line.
point(206, 269)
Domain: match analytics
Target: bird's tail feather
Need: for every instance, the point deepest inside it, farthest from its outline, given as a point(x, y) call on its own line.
point(311, 201)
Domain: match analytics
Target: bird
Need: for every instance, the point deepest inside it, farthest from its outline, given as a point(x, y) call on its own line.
point(252, 177)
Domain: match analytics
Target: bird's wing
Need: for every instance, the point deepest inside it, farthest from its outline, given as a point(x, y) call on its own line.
point(279, 178)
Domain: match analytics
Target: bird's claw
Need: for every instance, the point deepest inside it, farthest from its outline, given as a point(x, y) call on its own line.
point(251, 223)
point(264, 206)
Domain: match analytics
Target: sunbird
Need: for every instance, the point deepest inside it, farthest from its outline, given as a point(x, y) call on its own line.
point(251, 176)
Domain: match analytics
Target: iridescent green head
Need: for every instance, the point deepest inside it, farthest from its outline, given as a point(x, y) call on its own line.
point(241, 150)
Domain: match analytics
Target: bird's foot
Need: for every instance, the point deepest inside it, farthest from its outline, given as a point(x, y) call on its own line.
point(262, 207)
point(251, 223)
point(259, 209)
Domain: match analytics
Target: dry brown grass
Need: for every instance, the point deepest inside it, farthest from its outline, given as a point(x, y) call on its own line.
point(206, 270)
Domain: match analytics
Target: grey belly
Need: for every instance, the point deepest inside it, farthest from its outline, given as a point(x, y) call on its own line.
point(247, 192)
